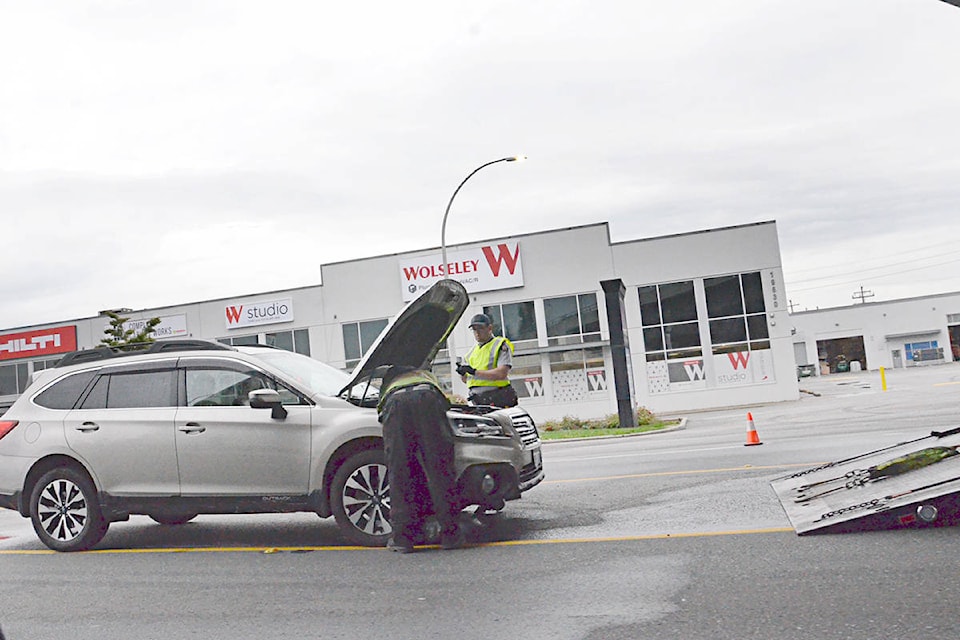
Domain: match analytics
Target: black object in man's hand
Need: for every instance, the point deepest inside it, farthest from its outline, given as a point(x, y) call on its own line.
point(465, 369)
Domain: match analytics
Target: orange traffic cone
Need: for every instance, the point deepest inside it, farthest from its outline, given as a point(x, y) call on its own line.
point(752, 437)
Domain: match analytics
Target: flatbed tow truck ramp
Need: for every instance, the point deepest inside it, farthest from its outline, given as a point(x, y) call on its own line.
point(916, 482)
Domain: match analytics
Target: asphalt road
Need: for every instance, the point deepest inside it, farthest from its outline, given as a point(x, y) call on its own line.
point(673, 535)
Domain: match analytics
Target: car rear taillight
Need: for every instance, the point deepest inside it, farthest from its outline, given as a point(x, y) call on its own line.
point(6, 426)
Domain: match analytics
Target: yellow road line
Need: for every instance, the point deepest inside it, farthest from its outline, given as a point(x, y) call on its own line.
point(507, 543)
point(504, 543)
point(944, 384)
point(746, 467)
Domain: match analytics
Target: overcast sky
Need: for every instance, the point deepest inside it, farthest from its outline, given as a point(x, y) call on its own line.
point(156, 153)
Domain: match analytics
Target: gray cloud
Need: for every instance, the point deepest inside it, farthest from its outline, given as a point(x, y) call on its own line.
point(149, 149)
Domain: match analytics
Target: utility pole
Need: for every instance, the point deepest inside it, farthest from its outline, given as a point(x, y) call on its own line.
point(790, 305)
point(862, 295)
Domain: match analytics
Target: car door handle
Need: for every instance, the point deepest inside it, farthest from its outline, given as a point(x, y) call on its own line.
point(192, 427)
point(87, 426)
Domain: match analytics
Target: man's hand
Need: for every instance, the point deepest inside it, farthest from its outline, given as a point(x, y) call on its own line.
point(465, 369)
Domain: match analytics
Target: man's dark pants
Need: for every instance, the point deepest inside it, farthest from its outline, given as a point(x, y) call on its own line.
point(416, 434)
point(494, 396)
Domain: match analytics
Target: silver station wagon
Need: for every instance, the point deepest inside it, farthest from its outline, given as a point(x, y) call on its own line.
point(187, 427)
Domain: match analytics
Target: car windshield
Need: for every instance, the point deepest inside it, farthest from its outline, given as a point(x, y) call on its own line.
point(319, 378)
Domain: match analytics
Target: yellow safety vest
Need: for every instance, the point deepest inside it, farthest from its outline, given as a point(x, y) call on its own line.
point(409, 379)
point(484, 357)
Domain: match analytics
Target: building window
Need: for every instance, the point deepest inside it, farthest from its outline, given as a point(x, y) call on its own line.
point(526, 376)
point(297, 340)
point(736, 312)
point(577, 373)
point(14, 379)
point(572, 319)
point(516, 321)
point(358, 337)
point(40, 365)
point(8, 380)
point(237, 341)
point(668, 313)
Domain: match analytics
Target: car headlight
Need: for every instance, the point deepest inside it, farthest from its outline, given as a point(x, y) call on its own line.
point(475, 426)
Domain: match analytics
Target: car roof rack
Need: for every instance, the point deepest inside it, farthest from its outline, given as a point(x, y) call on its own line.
point(140, 348)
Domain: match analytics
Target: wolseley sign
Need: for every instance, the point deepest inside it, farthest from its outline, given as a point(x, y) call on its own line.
point(485, 268)
point(40, 342)
point(249, 314)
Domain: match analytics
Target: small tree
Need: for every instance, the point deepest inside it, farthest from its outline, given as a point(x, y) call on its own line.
point(115, 335)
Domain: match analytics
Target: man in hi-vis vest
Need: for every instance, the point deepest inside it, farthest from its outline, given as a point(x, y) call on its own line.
point(488, 365)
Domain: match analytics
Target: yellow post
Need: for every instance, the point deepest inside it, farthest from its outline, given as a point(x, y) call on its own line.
point(883, 378)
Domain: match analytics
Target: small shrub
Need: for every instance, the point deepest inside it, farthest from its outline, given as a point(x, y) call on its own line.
point(645, 416)
point(612, 421)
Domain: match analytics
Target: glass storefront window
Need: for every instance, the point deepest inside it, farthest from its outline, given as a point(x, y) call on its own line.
point(669, 315)
point(281, 340)
point(572, 319)
point(577, 373)
point(8, 380)
point(738, 320)
point(358, 337)
point(515, 321)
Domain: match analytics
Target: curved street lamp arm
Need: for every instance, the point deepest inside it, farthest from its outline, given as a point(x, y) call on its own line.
point(443, 228)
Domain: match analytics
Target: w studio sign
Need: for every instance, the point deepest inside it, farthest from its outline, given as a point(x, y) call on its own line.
point(485, 268)
point(249, 314)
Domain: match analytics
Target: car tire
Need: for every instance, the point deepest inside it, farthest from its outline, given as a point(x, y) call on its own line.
point(172, 519)
point(65, 512)
point(360, 498)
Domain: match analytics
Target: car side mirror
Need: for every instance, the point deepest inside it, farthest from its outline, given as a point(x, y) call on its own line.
point(267, 399)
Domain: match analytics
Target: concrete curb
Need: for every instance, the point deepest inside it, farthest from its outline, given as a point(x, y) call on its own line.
point(677, 427)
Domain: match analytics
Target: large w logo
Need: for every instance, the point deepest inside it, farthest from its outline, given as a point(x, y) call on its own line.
point(233, 314)
point(739, 359)
point(503, 257)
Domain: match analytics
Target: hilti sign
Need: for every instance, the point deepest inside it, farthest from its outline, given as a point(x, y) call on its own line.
point(42, 342)
point(249, 314)
point(485, 268)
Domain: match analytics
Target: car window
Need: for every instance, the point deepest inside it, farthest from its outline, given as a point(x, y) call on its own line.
point(97, 398)
point(366, 393)
point(65, 393)
point(133, 390)
point(221, 387)
point(213, 387)
point(312, 375)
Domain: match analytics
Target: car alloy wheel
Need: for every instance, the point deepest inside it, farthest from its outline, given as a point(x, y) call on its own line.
point(360, 497)
point(64, 511)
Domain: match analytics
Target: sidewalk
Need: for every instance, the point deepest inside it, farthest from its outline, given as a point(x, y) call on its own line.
point(897, 379)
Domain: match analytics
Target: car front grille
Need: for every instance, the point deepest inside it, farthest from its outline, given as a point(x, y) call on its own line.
point(529, 471)
point(523, 425)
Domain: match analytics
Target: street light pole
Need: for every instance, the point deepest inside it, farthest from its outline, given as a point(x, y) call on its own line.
point(443, 228)
point(443, 248)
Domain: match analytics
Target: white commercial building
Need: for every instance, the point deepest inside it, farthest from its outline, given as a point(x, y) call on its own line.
point(895, 334)
point(674, 323)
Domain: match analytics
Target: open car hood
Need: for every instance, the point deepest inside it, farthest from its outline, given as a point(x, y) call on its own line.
point(415, 335)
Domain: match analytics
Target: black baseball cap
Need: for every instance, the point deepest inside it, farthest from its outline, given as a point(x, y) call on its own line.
point(481, 319)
